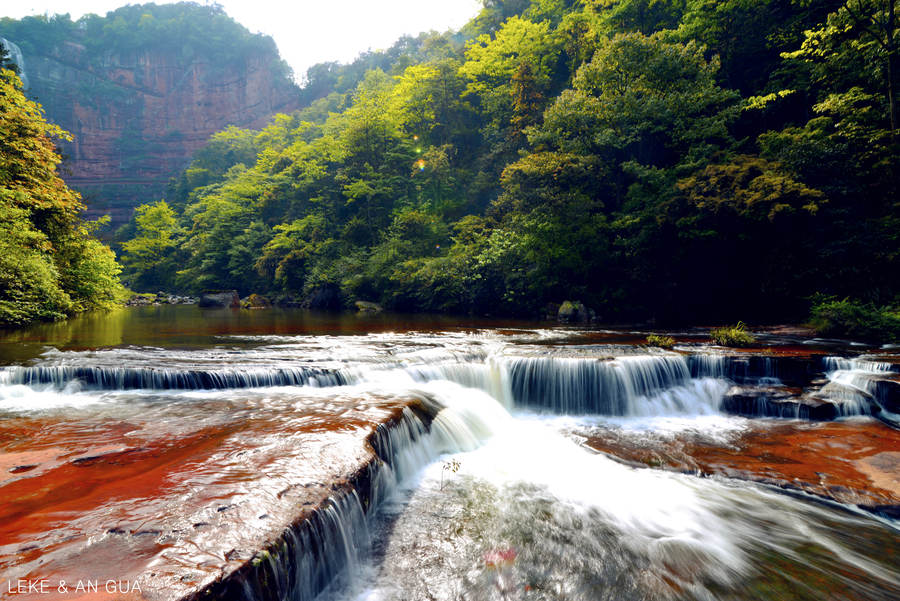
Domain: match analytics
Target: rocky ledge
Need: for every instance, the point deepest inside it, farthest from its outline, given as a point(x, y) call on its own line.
point(201, 505)
point(160, 298)
point(855, 462)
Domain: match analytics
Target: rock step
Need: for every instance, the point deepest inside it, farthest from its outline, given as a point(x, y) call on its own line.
point(776, 402)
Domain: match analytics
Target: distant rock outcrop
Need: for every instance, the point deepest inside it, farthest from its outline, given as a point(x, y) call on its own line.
point(137, 114)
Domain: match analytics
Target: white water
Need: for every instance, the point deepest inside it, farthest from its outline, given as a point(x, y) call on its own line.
point(18, 58)
point(851, 383)
point(664, 519)
point(499, 418)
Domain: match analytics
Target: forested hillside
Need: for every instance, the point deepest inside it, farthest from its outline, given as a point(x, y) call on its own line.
point(669, 159)
point(50, 265)
point(142, 88)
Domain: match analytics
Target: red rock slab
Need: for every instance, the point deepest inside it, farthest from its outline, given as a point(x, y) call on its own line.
point(169, 496)
point(855, 462)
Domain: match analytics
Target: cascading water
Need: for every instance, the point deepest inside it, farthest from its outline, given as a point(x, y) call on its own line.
point(15, 53)
point(526, 513)
point(122, 378)
point(853, 384)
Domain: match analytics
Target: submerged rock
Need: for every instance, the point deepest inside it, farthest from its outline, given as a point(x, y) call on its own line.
point(854, 462)
point(228, 298)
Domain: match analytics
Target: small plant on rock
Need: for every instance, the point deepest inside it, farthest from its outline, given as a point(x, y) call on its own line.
point(449, 466)
point(666, 342)
point(733, 335)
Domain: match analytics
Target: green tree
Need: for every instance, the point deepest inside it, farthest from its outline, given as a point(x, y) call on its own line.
point(50, 266)
point(865, 30)
point(151, 258)
point(492, 63)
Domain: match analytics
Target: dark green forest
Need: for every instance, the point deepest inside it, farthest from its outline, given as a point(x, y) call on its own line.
point(657, 159)
point(669, 160)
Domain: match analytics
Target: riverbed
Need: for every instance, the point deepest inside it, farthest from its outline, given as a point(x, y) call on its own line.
point(182, 453)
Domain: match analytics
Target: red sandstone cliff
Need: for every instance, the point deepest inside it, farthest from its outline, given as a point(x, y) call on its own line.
point(137, 117)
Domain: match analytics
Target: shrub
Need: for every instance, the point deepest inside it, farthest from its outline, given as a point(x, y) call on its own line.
point(854, 319)
point(660, 341)
point(736, 335)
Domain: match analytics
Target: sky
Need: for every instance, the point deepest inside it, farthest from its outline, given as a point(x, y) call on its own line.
point(306, 31)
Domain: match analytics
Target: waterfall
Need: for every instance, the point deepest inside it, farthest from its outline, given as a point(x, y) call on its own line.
point(137, 378)
point(522, 476)
point(622, 386)
point(320, 551)
point(853, 384)
point(491, 376)
point(15, 53)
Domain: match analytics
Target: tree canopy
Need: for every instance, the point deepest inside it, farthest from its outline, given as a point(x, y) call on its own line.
point(671, 159)
point(50, 265)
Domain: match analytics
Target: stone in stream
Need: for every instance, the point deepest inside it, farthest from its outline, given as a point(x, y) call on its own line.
point(574, 312)
point(772, 401)
point(255, 301)
point(228, 298)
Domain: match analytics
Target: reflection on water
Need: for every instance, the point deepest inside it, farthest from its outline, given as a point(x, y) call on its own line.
point(188, 326)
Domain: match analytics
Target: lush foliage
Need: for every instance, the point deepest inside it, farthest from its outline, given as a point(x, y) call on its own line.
point(736, 335)
point(853, 319)
point(673, 159)
point(661, 341)
point(50, 265)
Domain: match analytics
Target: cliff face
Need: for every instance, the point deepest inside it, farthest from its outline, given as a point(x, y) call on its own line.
point(137, 116)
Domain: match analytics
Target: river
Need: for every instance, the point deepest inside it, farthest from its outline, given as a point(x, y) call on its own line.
point(276, 454)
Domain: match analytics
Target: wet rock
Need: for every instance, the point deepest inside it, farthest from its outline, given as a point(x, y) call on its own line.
point(854, 462)
point(19, 469)
point(228, 298)
point(255, 301)
point(161, 298)
point(798, 371)
point(574, 312)
point(887, 394)
point(368, 307)
point(777, 402)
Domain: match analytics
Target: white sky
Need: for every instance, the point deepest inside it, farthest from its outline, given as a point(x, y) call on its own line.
point(306, 31)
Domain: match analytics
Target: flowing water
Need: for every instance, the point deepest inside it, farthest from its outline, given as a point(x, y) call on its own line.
point(170, 446)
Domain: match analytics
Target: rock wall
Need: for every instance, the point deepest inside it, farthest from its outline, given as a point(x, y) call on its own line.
point(137, 117)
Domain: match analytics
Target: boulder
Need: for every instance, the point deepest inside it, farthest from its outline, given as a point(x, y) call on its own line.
point(220, 298)
point(255, 301)
point(368, 307)
point(574, 312)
